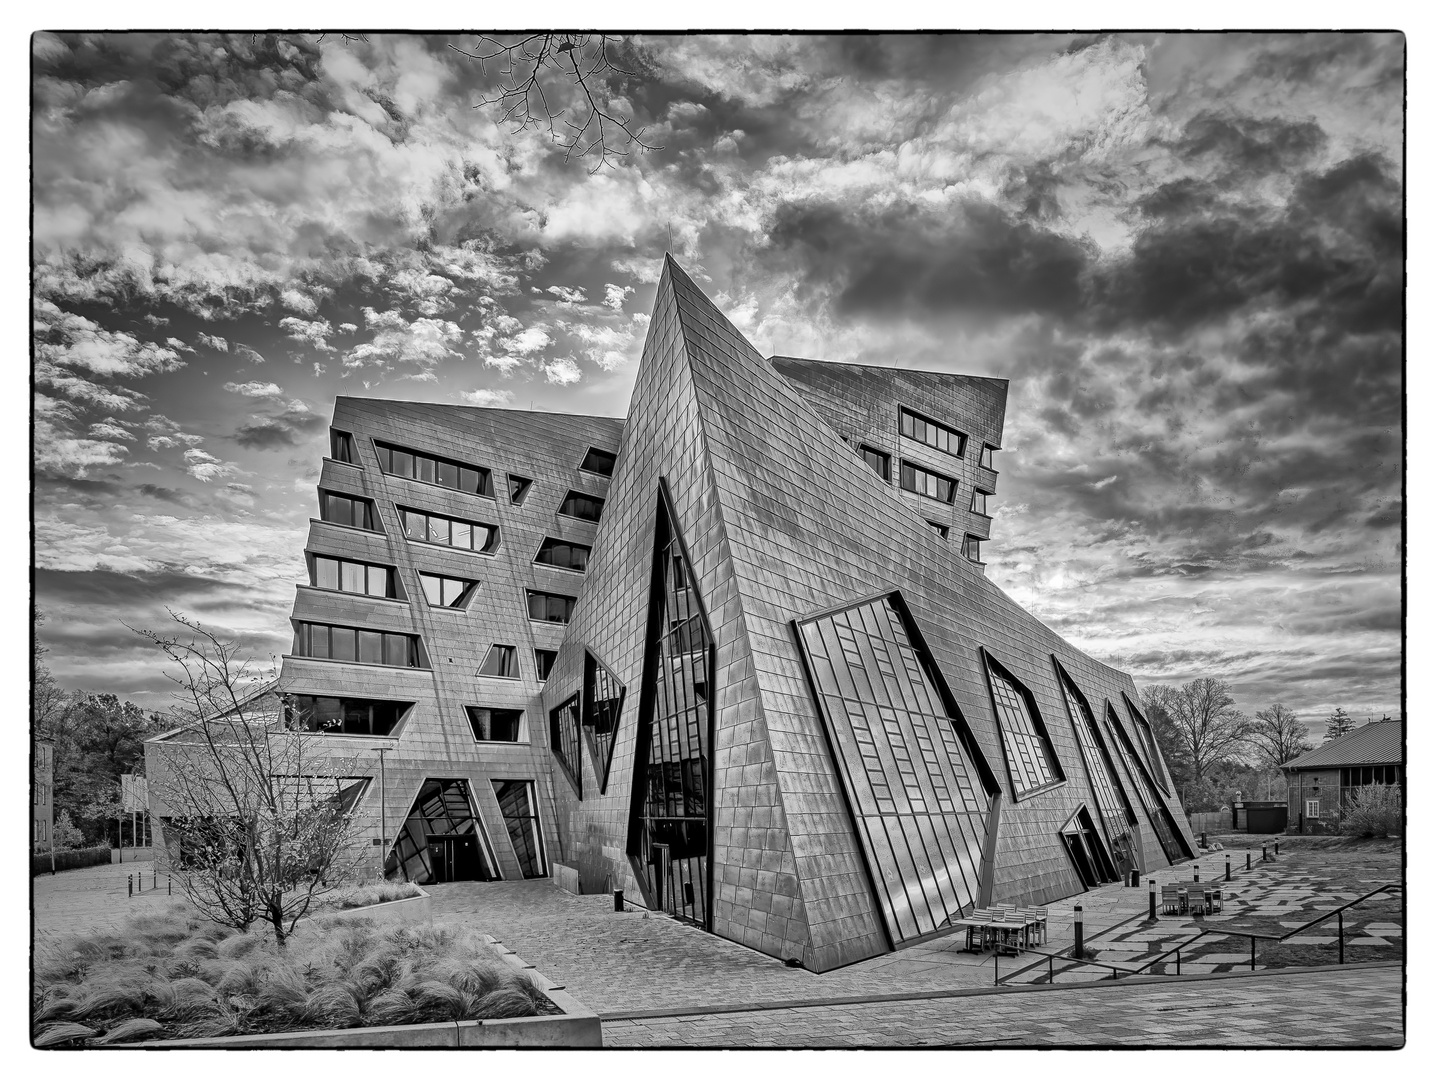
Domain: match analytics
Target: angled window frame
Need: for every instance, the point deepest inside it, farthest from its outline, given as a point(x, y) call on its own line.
point(538, 663)
point(917, 467)
point(565, 742)
point(466, 594)
point(904, 412)
point(525, 485)
point(523, 737)
point(603, 763)
point(489, 550)
point(376, 525)
point(867, 452)
point(992, 666)
point(586, 465)
point(530, 595)
point(513, 652)
point(941, 529)
point(382, 447)
point(1150, 749)
point(575, 493)
point(548, 542)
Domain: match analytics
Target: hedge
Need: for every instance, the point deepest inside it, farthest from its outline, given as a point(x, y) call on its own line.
point(70, 860)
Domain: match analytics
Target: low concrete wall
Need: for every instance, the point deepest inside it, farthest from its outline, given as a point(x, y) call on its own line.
point(132, 854)
point(577, 1027)
point(565, 877)
point(411, 909)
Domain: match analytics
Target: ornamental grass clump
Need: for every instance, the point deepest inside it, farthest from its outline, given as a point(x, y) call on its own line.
point(383, 892)
point(174, 976)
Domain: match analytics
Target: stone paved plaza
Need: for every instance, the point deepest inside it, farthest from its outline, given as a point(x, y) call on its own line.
point(658, 982)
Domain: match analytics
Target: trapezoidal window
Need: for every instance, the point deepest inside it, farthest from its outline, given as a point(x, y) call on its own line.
point(342, 715)
point(519, 489)
point(673, 773)
point(441, 839)
point(501, 662)
point(599, 461)
point(918, 786)
point(602, 706)
point(584, 507)
point(1113, 810)
point(563, 741)
point(1173, 846)
point(516, 804)
point(1031, 761)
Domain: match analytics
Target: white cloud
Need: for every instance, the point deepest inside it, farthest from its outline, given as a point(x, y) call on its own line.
point(486, 397)
point(563, 371)
point(566, 296)
point(397, 342)
point(295, 300)
point(206, 467)
point(314, 334)
point(255, 389)
point(57, 451)
point(248, 354)
point(530, 341)
point(76, 342)
point(615, 295)
point(212, 341)
point(111, 429)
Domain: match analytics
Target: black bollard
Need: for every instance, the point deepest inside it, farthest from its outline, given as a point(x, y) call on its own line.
point(1340, 938)
point(1152, 898)
point(617, 899)
point(1077, 931)
point(154, 877)
point(1277, 844)
point(1263, 853)
point(1249, 860)
point(1229, 868)
point(1204, 839)
point(1196, 872)
point(1206, 901)
point(1136, 879)
point(169, 885)
point(132, 885)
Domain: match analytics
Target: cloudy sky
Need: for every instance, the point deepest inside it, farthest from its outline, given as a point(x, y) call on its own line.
point(1183, 251)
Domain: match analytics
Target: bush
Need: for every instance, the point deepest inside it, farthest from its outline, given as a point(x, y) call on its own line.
point(194, 978)
point(1374, 810)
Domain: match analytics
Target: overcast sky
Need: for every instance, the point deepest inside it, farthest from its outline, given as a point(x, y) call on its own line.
point(1183, 251)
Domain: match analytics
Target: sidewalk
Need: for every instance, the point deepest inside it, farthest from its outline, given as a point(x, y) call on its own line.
point(96, 898)
point(1346, 1007)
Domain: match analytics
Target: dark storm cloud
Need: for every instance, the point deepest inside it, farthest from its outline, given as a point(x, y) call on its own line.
point(108, 588)
point(276, 432)
point(906, 261)
point(169, 495)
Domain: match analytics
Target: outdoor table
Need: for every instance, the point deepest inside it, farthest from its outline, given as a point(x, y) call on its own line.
point(971, 924)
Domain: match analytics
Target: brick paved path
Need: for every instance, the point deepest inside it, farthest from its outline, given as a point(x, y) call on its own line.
point(1351, 1007)
point(95, 898)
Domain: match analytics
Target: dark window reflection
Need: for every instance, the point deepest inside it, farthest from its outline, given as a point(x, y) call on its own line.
point(602, 705)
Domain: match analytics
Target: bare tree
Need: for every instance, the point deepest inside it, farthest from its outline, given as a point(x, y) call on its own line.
point(262, 826)
point(542, 78)
point(1277, 736)
point(1206, 723)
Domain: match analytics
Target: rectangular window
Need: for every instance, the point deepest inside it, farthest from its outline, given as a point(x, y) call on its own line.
point(447, 592)
point(599, 461)
point(979, 501)
point(347, 510)
point(939, 436)
point(972, 548)
point(550, 607)
point(930, 484)
point(881, 463)
point(341, 447)
point(429, 469)
point(501, 662)
point(985, 457)
point(344, 575)
point(519, 489)
point(584, 507)
point(1313, 808)
point(449, 532)
point(496, 725)
point(562, 554)
point(322, 642)
point(543, 660)
point(343, 716)
point(941, 529)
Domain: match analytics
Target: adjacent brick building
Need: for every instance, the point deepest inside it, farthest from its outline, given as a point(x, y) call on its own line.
point(735, 654)
point(1321, 782)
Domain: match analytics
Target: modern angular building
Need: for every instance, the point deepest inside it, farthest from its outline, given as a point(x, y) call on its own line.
point(736, 654)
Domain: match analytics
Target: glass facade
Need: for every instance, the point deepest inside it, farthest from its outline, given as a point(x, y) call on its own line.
point(1157, 813)
point(440, 839)
point(516, 803)
point(672, 776)
point(563, 740)
point(1113, 809)
point(1030, 759)
point(917, 786)
point(602, 706)
point(1149, 745)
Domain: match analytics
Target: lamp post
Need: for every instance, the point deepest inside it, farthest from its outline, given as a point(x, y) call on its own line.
point(383, 811)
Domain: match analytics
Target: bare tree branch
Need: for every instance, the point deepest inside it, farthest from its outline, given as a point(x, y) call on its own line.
point(572, 64)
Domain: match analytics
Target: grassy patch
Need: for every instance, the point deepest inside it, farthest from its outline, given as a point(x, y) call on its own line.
point(383, 892)
point(193, 978)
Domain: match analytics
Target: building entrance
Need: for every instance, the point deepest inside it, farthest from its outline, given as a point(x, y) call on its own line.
point(454, 858)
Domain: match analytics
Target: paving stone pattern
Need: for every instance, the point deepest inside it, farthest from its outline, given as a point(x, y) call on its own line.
point(1344, 1007)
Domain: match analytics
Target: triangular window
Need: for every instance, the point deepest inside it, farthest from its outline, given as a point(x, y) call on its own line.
point(602, 707)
